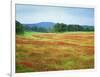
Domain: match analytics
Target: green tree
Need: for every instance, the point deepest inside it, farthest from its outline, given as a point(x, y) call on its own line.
point(73, 27)
point(19, 28)
point(60, 27)
point(39, 29)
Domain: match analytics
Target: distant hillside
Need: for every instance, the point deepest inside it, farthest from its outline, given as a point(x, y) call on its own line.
point(50, 27)
point(41, 24)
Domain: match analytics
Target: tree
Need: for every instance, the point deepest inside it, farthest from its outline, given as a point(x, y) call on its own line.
point(88, 28)
point(73, 27)
point(34, 28)
point(19, 28)
point(60, 27)
point(39, 29)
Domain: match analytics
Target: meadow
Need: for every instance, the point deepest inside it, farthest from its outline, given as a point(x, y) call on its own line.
point(37, 52)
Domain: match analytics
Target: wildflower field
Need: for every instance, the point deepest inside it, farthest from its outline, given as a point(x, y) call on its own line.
point(37, 52)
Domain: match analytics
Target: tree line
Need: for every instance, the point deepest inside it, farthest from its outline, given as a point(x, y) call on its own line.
point(61, 27)
point(58, 27)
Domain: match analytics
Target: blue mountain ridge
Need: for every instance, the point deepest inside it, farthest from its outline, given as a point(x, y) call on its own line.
point(50, 25)
point(41, 24)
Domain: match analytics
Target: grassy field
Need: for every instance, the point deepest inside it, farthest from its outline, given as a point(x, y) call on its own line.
point(54, 51)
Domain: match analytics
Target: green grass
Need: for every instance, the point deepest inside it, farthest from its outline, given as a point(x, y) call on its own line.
point(21, 68)
point(80, 32)
point(30, 33)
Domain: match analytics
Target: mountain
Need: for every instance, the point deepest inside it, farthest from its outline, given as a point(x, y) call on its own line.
point(41, 24)
point(49, 26)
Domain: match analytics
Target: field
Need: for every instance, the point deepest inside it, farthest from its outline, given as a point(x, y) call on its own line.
point(54, 51)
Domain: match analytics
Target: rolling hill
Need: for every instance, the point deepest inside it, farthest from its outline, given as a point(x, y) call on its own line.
point(41, 24)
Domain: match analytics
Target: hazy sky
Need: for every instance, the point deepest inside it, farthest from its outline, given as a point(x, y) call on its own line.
point(34, 14)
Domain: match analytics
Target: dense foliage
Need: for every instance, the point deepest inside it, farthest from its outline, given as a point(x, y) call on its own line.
point(39, 29)
point(57, 27)
point(61, 27)
point(19, 28)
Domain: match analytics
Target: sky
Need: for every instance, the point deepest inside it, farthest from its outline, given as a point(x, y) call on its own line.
point(28, 14)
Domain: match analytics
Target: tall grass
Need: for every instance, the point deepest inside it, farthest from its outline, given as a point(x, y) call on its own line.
point(54, 51)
